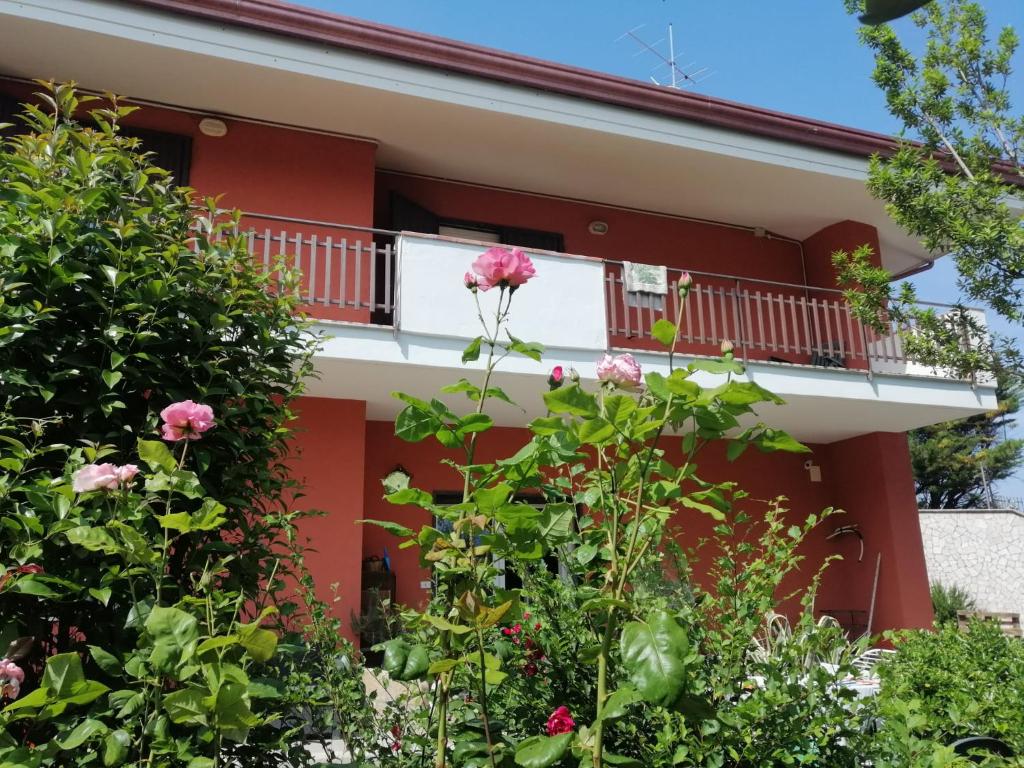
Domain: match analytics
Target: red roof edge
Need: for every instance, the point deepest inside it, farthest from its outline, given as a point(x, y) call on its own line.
point(451, 55)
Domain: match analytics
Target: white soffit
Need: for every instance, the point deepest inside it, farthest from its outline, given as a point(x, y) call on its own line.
point(449, 125)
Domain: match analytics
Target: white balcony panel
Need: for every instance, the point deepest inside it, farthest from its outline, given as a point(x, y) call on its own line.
point(563, 306)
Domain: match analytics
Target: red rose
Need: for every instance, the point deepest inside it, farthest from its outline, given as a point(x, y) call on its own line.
point(560, 722)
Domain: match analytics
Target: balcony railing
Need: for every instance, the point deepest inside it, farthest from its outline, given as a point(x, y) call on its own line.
point(350, 273)
point(765, 320)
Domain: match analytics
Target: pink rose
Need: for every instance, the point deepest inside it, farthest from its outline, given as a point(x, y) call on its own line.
point(11, 678)
point(469, 280)
point(102, 477)
point(126, 474)
point(556, 377)
point(186, 420)
point(685, 284)
point(502, 267)
point(622, 371)
point(560, 722)
point(95, 477)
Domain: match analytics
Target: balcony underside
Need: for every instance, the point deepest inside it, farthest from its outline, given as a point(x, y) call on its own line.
point(823, 405)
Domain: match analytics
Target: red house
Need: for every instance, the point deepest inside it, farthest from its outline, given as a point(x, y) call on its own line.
point(384, 160)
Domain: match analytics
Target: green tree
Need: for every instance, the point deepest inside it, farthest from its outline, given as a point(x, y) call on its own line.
point(954, 181)
point(956, 463)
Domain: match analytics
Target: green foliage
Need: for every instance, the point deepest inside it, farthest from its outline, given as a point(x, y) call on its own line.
point(119, 296)
point(956, 463)
point(947, 601)
point(945, 685)
point(147, 601)
point(951, 188)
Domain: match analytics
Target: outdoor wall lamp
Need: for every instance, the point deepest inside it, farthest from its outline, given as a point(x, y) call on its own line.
point(211, 126)
point(396, 480)
point(598, 227)
point(881, 11)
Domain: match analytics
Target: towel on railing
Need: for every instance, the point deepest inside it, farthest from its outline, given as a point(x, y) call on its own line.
point(645, 278)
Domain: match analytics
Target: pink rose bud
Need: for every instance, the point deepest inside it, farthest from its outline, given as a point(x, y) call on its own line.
point(685, 284)
point(622, 370)
point(727, 348)
point(560, 722)
point(556, 378)
point(502, 267)
point(469, 280)
point(186, 420)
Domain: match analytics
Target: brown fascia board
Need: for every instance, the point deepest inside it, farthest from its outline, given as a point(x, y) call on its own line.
point(455, 56)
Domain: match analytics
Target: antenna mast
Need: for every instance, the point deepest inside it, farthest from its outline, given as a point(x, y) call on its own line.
point(679, 76)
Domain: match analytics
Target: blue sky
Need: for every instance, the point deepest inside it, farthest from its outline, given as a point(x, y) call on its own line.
point(799, 56)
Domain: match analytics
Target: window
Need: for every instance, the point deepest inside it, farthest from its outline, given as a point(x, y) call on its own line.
point(170, 151)
point(407, 215)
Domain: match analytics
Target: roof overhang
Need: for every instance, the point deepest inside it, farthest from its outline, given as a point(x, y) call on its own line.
point(577, 135)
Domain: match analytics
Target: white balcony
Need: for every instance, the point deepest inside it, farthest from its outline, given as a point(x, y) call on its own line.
point(395, 315)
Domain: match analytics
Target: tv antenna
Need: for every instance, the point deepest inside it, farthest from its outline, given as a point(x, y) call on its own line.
point(679, 76)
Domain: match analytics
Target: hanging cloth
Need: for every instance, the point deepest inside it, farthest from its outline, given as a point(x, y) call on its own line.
point(645, 278)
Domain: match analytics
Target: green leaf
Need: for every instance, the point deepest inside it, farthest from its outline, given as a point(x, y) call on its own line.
point(530, 349)
point(556, 523)
point(259, 643)
point(409, 495)
point(664, 332)
point(187, 706)
point(707, 509)
point(595, 431)
point(111, 378)
point(571, 400)
point(115, 748)
point(777, 440)
point(735, 449)
point(62, 674)
point(393, 528)
point(93, 539)
point(175, 635)
point(404, 661)
point(616, 705)
point(618, 409)
point(106, 661)
point(176, 521)
point(655, 656)
point(472, 352)
point(414, 424)
point(474, 422)
point(82, 733)
point(234, 716)
point(156, 455)
point(547, 425)
point(542, 751)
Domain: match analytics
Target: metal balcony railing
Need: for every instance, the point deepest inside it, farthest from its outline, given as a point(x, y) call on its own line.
point(350, 273)
point(765, 320)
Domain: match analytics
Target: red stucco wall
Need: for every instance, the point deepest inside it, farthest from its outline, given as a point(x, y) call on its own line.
point(873, 482)
point(328, 460)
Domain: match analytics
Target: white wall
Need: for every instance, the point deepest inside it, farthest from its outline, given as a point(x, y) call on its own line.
point(566, 306)
point(979, 551)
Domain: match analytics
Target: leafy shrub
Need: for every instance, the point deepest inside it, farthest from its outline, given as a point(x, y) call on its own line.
point(946, 601)
point(155, 639)
point(950, 684)
point(117, 297)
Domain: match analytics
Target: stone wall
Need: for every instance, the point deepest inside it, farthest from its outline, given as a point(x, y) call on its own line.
point(981, 551)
